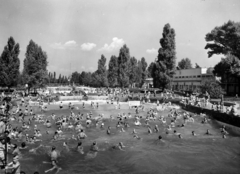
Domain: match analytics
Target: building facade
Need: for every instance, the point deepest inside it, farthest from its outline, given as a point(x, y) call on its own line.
point(231, 85)
point(148, 83)
point(190, 79)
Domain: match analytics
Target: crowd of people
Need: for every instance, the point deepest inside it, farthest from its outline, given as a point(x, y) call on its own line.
point(28, 133)
point(204, 102)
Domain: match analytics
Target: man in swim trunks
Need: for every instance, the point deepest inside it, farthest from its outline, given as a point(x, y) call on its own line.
point(82, 135)
point(54, 154)
point(14, 166)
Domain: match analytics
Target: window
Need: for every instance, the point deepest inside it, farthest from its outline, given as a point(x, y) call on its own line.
point(198, 76)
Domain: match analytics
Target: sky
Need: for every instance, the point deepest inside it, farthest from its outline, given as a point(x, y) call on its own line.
point(75, 33)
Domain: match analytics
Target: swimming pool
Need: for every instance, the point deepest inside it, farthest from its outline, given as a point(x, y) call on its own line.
point(191, 154)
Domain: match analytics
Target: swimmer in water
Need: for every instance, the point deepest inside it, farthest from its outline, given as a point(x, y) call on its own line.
point(16, 150)
point(119, 146)
point(136, 137)
point(80, 148)
point(193, 133)
point(108, 130)
point(149, 130)
point(83, 105)
point(208, 132)
point(94, 147)
point(122, 130)
point(223, 130)
point(169, 128)
point(23, 146)
point(66, 146)
point(102, 125)
point(55, 166)
point(176, 133)
point(34, 150)
point(82, 135)
point(156, 128)
point(111, 117)
point(73, 137)
point(134, 131)
point(160, 139)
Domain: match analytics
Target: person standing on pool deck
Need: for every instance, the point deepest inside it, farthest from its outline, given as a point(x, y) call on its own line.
point(61, 105)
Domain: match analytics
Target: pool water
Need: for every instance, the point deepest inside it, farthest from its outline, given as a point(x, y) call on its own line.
point(191, 154)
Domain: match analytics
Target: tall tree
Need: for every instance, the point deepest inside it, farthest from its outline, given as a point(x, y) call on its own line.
point(59, 81)
point(213, 88)
point(9, 64)
point(139, 74)
point(185, 64)
point(95, 80)
point(166, 63)
point(197, 66)
point(86, 78)
point(102, 72)
point(75, 77)
point(123, 66)
point(224, 40)
point(54, 77)
point(133, 65)
point(228, 66)
point(160, 78)
point(113, 71)
point(49, 77)
point(144, 70)
point(35, 66)
point(150, 69)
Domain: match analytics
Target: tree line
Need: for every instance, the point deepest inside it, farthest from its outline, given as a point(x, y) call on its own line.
point(122, 70)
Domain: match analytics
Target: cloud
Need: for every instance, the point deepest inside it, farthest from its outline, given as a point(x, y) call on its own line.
point(88, 46)
point(185, 44)
point(116, 43)
point(67, 45)
point(83, 67)
point(152, 51)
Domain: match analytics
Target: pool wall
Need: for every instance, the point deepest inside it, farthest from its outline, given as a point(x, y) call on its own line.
point(223, 117)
